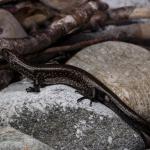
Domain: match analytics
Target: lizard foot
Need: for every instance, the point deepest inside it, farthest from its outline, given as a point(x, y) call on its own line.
point(80, 99)
point(76, 91)
point(83, 98)
point(33, 89)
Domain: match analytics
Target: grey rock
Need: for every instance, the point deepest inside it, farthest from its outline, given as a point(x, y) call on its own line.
point(11, 139)
point(54, 117)
point(9, 26)
point(124, 68)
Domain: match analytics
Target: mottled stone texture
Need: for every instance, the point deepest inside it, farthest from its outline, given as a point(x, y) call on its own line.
point(11, 139)
point(124, 68)
point(54, 117)
point(77, 129)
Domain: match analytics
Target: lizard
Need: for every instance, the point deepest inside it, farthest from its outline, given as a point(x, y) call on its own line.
point(85, 83)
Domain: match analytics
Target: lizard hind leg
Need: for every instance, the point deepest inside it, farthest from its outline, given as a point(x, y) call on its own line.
point(81, 99)
point(97, 96)
point(93, 96)
point(93, 90)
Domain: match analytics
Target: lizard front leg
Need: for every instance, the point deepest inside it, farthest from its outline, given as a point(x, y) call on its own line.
point(35, 88)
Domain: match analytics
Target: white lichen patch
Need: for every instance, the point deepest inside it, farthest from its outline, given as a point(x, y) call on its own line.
point(135, 135)
point(79, 133)
point(81, 127)
point(110, 139)
point(101, 117)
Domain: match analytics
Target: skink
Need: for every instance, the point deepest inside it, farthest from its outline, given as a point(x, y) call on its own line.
point(83, 82)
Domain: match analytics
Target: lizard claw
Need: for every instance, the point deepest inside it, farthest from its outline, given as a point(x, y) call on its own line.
point(33, 89)
point(80, 99)
point(76, 91)
point(30, 89)
point(91, 103)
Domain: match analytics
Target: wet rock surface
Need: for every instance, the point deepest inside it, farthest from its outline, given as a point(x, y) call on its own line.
point(54, 117)
point(11, 139)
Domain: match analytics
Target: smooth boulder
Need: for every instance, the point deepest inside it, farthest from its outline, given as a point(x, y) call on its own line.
point(122, 67)
point(11, 139)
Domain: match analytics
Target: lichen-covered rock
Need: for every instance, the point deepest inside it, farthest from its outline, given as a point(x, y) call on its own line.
point(124, 68)
point(54, 117)
point(11, 139)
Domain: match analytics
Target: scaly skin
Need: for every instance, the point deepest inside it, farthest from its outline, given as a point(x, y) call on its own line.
point(84, 83)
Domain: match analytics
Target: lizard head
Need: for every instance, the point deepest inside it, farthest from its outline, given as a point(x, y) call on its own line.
point(8, 55)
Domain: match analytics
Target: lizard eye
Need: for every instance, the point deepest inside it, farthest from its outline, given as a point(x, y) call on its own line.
point(5, 53)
